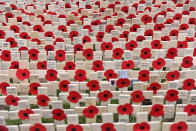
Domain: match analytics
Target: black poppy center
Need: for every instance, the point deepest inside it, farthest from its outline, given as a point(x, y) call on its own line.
point(137, 96)
point(51, 74)
point(90, 111)
point(141, 127)
point(179, 127)
point(188, 84)
point(73, 129)
point(13, 100)
point(37, 129)
point(23, 74)
point(192, 110)
point(25, 114)
point(105, 95)
point(157, 109)
point(158, 63)
point(124, 109)
point(58, 114)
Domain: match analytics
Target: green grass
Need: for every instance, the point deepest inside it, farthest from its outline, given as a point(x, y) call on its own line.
point(47, 120)
point(132, 118)
point(114, 101)
point(82, 119)
point(13, 122)
point(99, 119)
point(66, 105)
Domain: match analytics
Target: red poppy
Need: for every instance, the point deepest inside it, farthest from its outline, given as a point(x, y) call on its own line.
point(110, 74)
point(6, 55)
point(165, 38)
point(80, 75)
point(37, 41)
point(49, 48)
point(158, 63)
point(93, 85)
point(58, 40)
point(154, 87)
point(24, 35)
point(72, 127)
point(9, 15)
point(159, 27)
point(34, 88)
point(146, 19)
point(64, 85)
point(108, 127)
point(70, 65)
point(125, 109)
point(145, 53)
point(42, 65)
point(88, 54)
point(3, 128)
point(100, 36)
point(48, 34)
point(109, 28)
point(125, 9)
point(184, 27)
point(129, 64)
point(60, 55)
point(88, 27)
point(97, 65)
point(105, 95)
point(74, 96)
point(86, 39)
point(177, 16)
point(173, 33)
point(58, 114)
point(90, 111)
point(190, 39)
point(78, 47)
point(143, 126)
point(38, 127)
point(26, 23)
point(3, 86)
point(123, 82)
point(73, 34)
point(134, 28)
point(182, 44)
point(172, 53)
point(106, 46)
point(188, 84)
point(190, 109)
point(144, 75)
point(12, 41)
point(187, 62)
point(12, 100)
point(24, 114)
point(157, 110)
point(62, 28)
point(117, 53)
point(191, 21)
point(15, 28)
point(14, 65)
point(51, 75)
point(2, 34)
point(42, 100)
point(125, 35)
point(120, 22)
point(137, 96)
point(172, 95)
point(131, 16)
point(114, 39)
point(156, 44)
point(148, 32)
point(179, 126)
point(33, 54)
point(22, 74)
point(131, 45)
point(38, 28)
point(96, 22)
point(173, 75)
